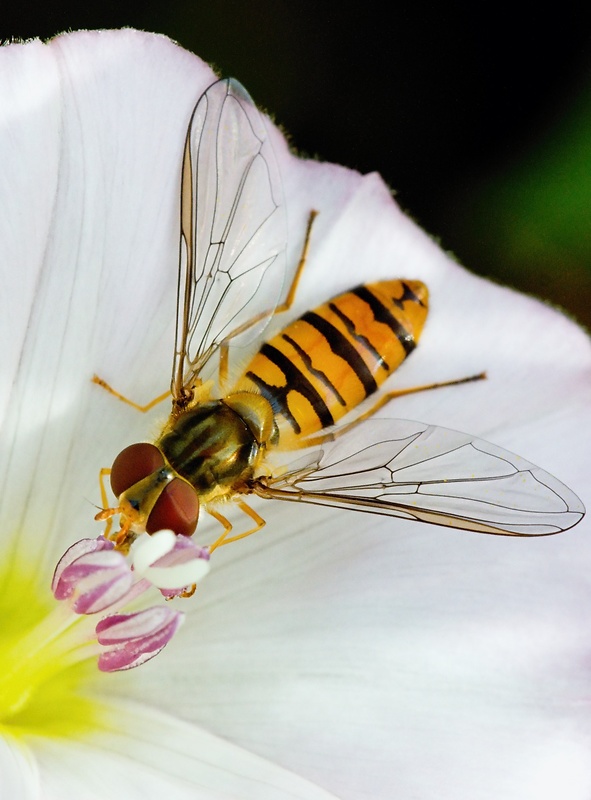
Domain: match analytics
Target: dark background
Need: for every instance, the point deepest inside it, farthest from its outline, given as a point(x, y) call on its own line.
point(479, 118)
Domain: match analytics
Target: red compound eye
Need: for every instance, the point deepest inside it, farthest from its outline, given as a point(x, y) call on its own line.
point(177, 508)
point(134, 463)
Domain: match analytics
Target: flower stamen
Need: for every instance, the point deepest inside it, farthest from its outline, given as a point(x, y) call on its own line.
point(94, 576)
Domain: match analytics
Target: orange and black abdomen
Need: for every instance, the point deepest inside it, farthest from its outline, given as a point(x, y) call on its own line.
point(329, 360)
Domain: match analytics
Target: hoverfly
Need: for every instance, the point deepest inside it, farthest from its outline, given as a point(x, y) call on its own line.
point(298, 387)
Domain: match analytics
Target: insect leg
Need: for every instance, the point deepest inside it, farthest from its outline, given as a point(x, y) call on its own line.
point(414, 389)
point(104, 473)
point(285, 306)
point(288, 302)
point(223, 539)
point(315, 441)
point(104, 385)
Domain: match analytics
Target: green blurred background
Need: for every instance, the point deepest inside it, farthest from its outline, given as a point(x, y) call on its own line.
point(478, 116)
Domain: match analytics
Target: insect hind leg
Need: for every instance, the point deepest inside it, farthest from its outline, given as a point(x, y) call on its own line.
point(288, 302)
point(280, 309)
point(315, 441)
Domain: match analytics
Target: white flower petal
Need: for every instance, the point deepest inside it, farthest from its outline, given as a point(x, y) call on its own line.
point(99, 230)
point(438, 659)
point(29, 131)
point(151, 755)
point(375, 657)
point(19, 775)
point(367, 614)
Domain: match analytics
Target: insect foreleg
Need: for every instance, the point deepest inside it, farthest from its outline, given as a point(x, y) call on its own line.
point(104, 473)
point(104, 385)
point(224, 539)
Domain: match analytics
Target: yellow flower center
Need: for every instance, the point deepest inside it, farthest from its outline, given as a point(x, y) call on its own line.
point(46, 661)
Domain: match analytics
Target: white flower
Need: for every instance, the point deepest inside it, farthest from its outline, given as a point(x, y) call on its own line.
point(373, 658)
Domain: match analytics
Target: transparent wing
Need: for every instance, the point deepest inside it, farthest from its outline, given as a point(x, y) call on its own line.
point(233, 231)
point(423, 472)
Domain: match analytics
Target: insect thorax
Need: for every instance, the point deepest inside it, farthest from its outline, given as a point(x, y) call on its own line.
point(211, 447)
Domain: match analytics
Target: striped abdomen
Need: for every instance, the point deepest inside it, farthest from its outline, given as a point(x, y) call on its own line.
point(326, 362)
